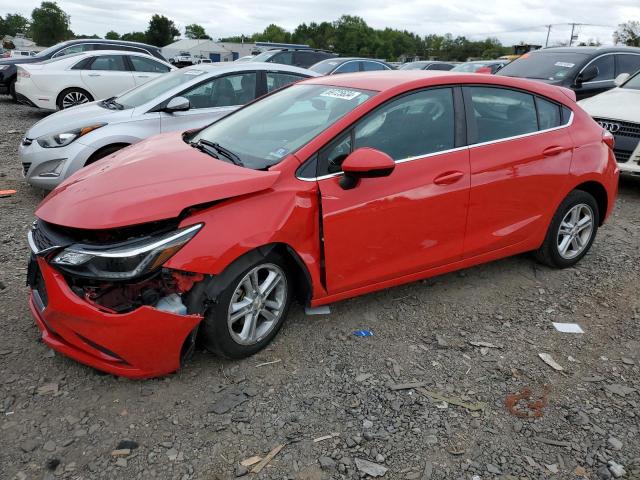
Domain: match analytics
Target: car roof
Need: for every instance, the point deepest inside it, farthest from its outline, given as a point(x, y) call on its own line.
point(587, 50)
point(249, 66)
point(397, 81)
point(107, 42)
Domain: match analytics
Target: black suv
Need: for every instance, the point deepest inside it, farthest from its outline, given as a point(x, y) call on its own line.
point(586, 70)
point(8, 68)
point(302, 57)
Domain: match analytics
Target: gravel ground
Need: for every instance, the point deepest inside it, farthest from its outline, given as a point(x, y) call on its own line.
point(59, 419)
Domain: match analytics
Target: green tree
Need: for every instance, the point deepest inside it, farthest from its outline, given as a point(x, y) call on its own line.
point(49, 24)
point(112, 35)
point(13, 23)
point(195, 31)
point(628, 34)
point(273, 33)
point(134, 37)
point(161, 31)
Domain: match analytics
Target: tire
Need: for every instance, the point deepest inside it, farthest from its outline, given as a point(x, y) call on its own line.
point(104, 152)
point(223, 336)
point(565, 249)
point(71, 97)
point(12, 90)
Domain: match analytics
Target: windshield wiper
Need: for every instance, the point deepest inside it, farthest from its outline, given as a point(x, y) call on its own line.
point(204, 148)
point(111, 102)
point(220, 149)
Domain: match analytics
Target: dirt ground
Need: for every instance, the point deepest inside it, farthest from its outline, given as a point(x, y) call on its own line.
point(60, 419)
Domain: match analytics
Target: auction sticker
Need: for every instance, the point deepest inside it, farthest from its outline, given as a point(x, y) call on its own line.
point(565, 64)
point(341, 93)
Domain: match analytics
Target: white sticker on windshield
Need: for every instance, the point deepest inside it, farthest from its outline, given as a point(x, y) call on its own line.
point(193, 72)
point(281, 152)
point(565, 64)
point(341, 93)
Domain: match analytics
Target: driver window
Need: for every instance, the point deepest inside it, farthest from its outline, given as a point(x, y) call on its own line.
point(78, 48)
point(223, 91)
point(606, 68)
point(411, 126)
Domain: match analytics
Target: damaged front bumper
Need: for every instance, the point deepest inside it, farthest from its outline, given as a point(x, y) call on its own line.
point(145, 342)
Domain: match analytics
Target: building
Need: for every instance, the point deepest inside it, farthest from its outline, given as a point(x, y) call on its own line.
point(202, 48)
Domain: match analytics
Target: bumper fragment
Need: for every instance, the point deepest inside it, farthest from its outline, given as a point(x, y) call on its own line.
point(140, 344)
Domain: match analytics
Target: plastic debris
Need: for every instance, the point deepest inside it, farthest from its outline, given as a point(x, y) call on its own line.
point(453, 401)
point(321, 310)
point(268, 363)
point(248, 462)
point(568, 327)
point(548, 359)
point(7, 193)
point(325, 437)
point(529, 408)
point(263, 463)
point(362, 333)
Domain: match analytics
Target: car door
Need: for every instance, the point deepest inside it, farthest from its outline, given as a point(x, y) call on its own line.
point(603, 80)
point(107, 75)
point(407, 222)
point(212, 99)
point(145, 69)
point(520, 158)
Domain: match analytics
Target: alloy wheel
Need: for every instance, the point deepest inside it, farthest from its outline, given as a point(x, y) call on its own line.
point(575, 231)
point(74, 98)
point(257, 304)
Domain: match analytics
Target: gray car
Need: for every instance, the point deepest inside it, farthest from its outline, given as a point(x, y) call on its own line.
point(190, 98)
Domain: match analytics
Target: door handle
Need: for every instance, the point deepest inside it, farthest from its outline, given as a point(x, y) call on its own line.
point(448, 178)
point(94, 74)
point(142, 76)
point(551, 151)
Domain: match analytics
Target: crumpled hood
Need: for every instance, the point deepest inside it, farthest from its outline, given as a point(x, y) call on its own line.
point(77, 117)
point(617, 104)
point(155, 179)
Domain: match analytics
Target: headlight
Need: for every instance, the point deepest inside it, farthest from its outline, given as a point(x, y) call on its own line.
point(65, 138)
point(125, 260)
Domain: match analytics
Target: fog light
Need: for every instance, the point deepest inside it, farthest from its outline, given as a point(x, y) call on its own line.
point(54, 170)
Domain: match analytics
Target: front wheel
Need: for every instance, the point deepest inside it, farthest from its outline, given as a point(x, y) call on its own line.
point(572, 231)
point(250, 311)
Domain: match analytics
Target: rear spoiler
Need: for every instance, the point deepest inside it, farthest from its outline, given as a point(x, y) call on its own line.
point(569, 93)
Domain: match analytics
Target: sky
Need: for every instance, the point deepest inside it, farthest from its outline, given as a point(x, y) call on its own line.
point(511, 21)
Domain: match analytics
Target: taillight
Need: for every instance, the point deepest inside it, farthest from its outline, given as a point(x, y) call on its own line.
point(607, 137)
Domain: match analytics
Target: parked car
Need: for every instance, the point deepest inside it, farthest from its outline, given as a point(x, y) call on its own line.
point(330, 188)
point(332, 66)
point(200, 61)
point(480, 66)
point(8, 70)
point(62, 143)
point(618, 111)
point(246, 58)
point(586, 70)
point(22, 53)
point(428, 65)
point(184, 59)
point(80, 78)
point(302, 58)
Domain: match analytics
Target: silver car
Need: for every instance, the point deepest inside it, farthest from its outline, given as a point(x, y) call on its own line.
point(62, 143)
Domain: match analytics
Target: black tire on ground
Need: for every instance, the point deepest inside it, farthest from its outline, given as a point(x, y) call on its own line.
point(549, 252)
point(104, 152)
point(12, 90)
point(68, 91)
point(215, 333)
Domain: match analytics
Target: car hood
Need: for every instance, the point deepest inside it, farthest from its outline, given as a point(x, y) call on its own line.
point(617, 104)
point(155, 179)
point(77, 117)
point(20, 60)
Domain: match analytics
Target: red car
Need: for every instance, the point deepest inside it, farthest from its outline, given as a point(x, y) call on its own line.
point(325, 190)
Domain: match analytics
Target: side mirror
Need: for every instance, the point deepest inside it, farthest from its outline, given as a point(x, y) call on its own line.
point(365, 163)
point(177, 104)
point(587, 75)
point(620, 79)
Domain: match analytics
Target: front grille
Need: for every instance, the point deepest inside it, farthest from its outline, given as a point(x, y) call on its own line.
point(624, 129)
point(40, 288)
point(622, 156)
point(25, 168)
point(40, 236)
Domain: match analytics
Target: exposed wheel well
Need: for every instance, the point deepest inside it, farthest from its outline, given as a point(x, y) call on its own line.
point(599, 193)
point(104, 151)
point(302, 279)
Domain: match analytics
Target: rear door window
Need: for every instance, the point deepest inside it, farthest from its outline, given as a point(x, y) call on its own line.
point(627, 63)
point(142, 64)
point(276, 80)
point(348, 67)
point(372, 66)
point(501, 113)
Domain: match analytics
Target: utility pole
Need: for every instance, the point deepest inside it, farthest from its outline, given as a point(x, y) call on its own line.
point(573, 26)
point(546, 43)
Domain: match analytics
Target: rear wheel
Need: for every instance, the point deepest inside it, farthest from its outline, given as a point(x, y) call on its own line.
point(250, 311)
point(72, 97)
point(572, 231)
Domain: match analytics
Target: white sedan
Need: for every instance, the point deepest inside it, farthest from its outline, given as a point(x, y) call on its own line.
point(618, 110)
point(62, 143)
point(80, 78)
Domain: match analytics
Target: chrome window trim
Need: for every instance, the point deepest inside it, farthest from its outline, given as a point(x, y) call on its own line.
point(599, 57)
point(457, 149)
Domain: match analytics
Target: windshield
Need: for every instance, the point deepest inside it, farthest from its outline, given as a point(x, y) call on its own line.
point(263, 57)
point(156, 87)
point(545, 65)
point(633, 83)
point(470, 67)
point(413, 66)
point(51, 50)
point(325, 66)
point(265, 132)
